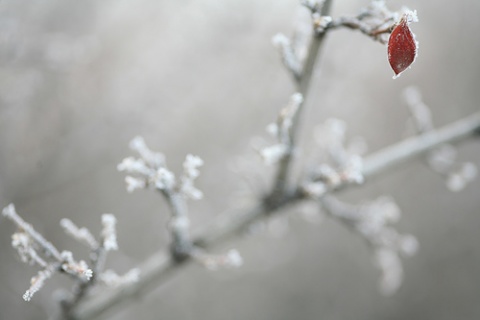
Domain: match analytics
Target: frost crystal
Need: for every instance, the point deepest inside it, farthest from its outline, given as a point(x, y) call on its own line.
point(410, 15)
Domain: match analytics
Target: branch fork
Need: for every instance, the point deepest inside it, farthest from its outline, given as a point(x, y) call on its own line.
point(150, 171)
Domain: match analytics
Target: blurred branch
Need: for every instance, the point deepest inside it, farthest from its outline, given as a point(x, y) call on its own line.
point(403, 151)
point(161, 266)
point(302, 82)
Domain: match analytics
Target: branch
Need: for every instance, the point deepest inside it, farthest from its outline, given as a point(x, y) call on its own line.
point(161, 266)
point(403, 151)
point(302, 83)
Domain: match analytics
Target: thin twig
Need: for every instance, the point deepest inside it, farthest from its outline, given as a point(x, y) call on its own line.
point(302, 83)
point(403, 151)
point(161, 266)
point(355, 23)
point(11, 214)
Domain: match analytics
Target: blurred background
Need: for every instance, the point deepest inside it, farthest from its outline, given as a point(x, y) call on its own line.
point(80, 79)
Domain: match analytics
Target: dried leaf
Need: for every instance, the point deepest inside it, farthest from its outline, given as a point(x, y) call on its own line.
point(402, 46)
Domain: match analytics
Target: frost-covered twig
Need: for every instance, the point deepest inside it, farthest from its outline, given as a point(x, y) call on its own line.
point(376, 21)
point(398, 153)
point(287, 52)
point(29, 242)
point(160, 267)
point(33, 248)
point(150, 170)
point(341, 163)
point(155, 174)
point(99, 249)
point(10, 213)
point(280, 184)
point(281, 130)
point(373, 222)
point(442, 159)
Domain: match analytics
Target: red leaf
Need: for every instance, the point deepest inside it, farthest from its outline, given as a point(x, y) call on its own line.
point(402, 47)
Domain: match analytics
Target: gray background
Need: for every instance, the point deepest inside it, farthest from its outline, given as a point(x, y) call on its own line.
point(79, 79)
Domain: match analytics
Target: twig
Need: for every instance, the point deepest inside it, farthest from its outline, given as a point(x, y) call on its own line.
point(10, 213)
point(161, 266)
point(302, 82)
point(373, 222)
point(403, 151)
point(27, 241)
point(355, 23)
point(99, 249)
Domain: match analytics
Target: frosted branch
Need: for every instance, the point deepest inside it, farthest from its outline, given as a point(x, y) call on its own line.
point(281, 131)
point(442, 159)
point(10, 213)
point(289, 57)
point(280, 184)
point(37, 282)
point(160, 267)
point(372, 221)
point(27, 241)
point(341, 163)
point(376, 21)
point(152, 172)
